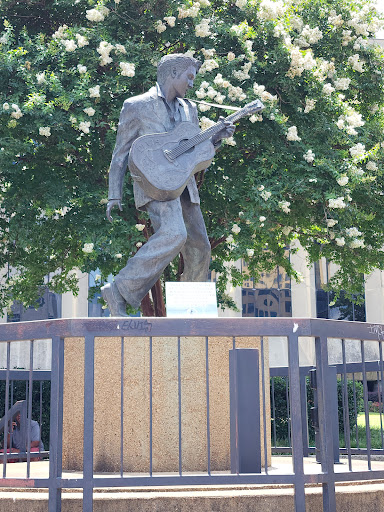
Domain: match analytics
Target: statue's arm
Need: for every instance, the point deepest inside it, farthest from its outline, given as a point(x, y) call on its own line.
point(127, 132)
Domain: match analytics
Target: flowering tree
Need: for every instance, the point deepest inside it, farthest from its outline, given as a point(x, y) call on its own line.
point(309, 168)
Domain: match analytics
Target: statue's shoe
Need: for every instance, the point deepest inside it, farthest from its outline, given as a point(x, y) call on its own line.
point(114, 299)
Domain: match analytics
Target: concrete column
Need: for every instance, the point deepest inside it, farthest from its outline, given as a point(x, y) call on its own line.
point(374, 297)
point(136, 410)
point(303, 296)
point(76, 306)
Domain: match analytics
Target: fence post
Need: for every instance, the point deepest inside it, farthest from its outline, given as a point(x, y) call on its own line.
point(325, 424)
point(245, 397)
point(56, 425)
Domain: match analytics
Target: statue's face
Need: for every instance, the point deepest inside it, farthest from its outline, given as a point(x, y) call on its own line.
point(183, 82)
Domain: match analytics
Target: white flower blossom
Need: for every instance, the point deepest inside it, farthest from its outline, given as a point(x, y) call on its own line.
point(230, 141)
point(69, 45)
point(340, 241)
point(127, 69)
point(265, 194)
point(261, 188)
point(342, 181)
point(309, 156)
point(335, 19)
point(284, 205)
point(139, 227)
point(17, 113)
point(98, 14)
point(250, 253)
point(230, 239)
point(356, 63)
point(203, 29)
point(94, 92)
point(231, 56)
point(356, 243)
point(81, 69)
point(309, 105)
point(328, 89)
point(236, 229)
point(139, 244)
point(160, 26)
point(292, 134)
point(208, 65)
point(60, 33)
point(270, 10)
point(104, 49)
point(119, 48)
point(88, 247)
point(331, 223)
point(81, 41)
point(357, 151)
point(337, 203)
point(5, 106)
point(191, 12)
point(84, 126)
point(40, 77)
point(241, 3)
point(353, 232)
point(89, 111)
point(254, 118)
point(208, 53)
point(203, 107)
point(342, 84)
point(371, 166)
point(45, 130)
point(170, 20)
point(118, 256)
point(206, 123)
point(262, 218)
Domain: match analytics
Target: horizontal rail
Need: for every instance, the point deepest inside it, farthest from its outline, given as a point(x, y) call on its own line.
point(220, 327)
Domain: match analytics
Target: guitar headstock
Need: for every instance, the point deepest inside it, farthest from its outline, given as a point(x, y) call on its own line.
point(254, 106)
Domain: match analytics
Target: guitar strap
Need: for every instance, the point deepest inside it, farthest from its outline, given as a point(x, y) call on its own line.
point(187, 115)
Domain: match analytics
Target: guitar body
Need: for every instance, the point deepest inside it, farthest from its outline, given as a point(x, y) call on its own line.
point(159, 177)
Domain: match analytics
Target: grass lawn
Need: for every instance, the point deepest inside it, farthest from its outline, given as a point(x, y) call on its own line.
point(374, 420)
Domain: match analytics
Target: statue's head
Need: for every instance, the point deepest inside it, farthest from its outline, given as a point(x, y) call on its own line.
point(173, 65)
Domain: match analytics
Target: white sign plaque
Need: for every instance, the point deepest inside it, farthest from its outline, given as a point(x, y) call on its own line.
point(191, 300)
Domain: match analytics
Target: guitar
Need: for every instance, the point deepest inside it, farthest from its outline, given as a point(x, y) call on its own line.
point(162, 163)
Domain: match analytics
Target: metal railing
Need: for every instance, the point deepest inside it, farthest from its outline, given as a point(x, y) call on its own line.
point(211, 330)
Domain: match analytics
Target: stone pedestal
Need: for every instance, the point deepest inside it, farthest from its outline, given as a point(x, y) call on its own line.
point(136, 400)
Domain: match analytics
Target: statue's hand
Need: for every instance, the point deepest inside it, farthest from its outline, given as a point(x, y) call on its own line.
point(111, 204)
point(227, 131)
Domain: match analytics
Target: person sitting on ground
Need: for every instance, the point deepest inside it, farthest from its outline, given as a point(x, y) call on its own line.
point(15, 438)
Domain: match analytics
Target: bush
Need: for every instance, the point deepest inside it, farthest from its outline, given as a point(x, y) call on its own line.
point(281, 410)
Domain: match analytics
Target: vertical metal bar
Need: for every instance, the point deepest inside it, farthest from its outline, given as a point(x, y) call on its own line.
point(29, 420)
point(347, 430)
point(264, 406)
point(288, 412)
point(355, 410)
point(54, 504)
point(366, 407)
point(381, 383)
point(179, 391)
point(236, 406)
point(6, 419)
point(207, 402)
point(150, 406)
point(273, 409)
point(325, 425)
point(304, 414)
point(40, 414)
point(296, 431)
point(122, 408)
point(88, 423)
point(380, 406)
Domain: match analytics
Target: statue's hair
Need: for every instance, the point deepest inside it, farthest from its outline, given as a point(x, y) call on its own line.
point(178, 61)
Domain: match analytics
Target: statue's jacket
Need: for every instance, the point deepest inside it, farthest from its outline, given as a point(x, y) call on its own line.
point(142, 115)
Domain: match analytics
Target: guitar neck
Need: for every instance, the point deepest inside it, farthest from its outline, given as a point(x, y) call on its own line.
point(206, 134)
